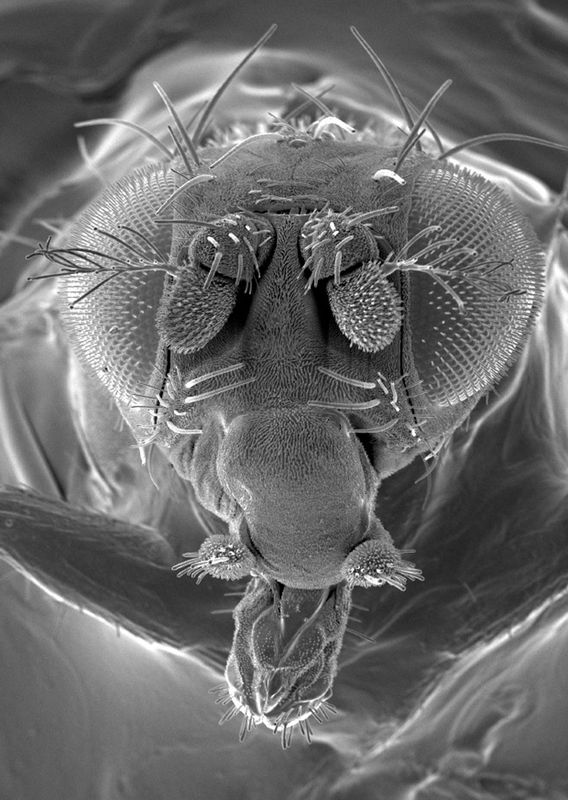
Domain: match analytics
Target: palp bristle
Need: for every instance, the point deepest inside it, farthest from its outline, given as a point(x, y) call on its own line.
point(219, 687)
point(229, 714)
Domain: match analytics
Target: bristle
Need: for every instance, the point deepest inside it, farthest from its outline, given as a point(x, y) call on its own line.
point(415, 132)
point(230, 714)
point(185, 139)
point(220, 91)
point(364, 216)
point(133, 126)
point(193, 565)
point(378, 428)
point(311, 98)
point(501, 137)
point(345, 379)
point(182, 154)
point(89, 162)
point(244, 143)
point(217, 373)
point(93, 289)
point(429, 126)
point(346, 405)
point(387, 77)
point(360, 635)
point(219, 688)
point(411, 141)
point(287, 735)
point(184, 188)
point(186, 221)
point(197, 398)
point(183, 431)
point(214, 100)
point(246, 727)
point(150, 244)
point(320, 126)
point(377, 561)
point(48, 275)
point(120, 240)
point(306, 103)
point(405, 250)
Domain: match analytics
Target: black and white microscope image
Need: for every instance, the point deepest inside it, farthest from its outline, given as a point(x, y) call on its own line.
point(284, 400)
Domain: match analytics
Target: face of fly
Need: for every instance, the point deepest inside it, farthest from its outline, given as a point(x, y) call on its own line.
point(309, 308)
point(278, 446)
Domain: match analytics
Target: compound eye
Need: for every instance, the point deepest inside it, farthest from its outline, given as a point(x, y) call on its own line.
point(219, 556)
point(234, 247)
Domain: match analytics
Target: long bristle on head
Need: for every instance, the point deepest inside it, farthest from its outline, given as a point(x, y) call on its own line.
point(387, 77)
point(500, 137)
point(415, 132)
point(203, 120)
point(133, 126)
point(185, 138)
